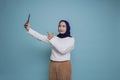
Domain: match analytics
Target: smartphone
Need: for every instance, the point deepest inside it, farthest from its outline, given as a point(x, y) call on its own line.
point(28, 18)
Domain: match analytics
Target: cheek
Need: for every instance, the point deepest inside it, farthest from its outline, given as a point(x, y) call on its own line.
point(59, 29)
point(64, 29)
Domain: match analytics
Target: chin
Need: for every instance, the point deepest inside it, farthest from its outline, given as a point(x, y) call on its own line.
point(61, 32)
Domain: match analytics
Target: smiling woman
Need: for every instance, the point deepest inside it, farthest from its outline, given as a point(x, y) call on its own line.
point(64, 29)
point(95, 25)
point(62, 45)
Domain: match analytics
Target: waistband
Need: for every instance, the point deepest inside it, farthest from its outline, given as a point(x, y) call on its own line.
point(60, 61)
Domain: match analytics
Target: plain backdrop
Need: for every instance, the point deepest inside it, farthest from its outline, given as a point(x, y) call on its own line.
point(95, 25)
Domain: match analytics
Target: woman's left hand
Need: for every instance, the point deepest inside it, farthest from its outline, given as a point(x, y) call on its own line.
point(50, 35)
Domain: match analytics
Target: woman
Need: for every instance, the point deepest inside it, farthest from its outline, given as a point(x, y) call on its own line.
point(62, 45)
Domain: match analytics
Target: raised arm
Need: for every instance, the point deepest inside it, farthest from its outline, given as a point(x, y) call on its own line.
point(35, 33)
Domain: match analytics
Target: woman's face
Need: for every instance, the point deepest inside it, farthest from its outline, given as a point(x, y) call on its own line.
point(62, 28)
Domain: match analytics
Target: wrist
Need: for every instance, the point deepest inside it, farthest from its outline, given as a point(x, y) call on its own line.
point(27, 29)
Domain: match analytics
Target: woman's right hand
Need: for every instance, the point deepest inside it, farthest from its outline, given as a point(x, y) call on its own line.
point(27, 26)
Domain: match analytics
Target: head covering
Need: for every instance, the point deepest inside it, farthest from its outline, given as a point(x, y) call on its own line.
point(67, 33)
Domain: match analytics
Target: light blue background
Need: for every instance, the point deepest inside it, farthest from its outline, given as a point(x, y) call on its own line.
point(95, 24)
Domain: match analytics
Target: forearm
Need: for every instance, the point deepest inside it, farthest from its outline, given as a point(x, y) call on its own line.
point(38, 35)
point(62, 48)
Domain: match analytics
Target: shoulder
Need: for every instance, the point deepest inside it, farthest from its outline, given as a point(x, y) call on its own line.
point(72, 38)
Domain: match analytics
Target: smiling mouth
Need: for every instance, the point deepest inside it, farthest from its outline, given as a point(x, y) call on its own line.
point(60, 31)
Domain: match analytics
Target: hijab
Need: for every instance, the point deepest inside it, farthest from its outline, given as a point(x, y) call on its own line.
point(67, 33)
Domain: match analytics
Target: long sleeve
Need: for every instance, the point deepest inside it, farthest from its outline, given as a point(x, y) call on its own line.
point(38, 35)
point(65, 47)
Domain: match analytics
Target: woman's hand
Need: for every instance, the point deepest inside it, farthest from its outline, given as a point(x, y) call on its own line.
point(50, 35)
point(27, 26)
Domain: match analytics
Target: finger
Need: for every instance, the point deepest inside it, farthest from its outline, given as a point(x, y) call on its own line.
point(26, 25)
point(48, 33)
point(53, 33)
point(27, 22)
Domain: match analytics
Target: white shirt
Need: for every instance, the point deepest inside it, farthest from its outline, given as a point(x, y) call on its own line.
point(61, 47)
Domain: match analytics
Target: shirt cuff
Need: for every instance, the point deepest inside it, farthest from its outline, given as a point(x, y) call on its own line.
point(29, 30)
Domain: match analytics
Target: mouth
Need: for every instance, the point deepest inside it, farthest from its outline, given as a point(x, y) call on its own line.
point(60, 30)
